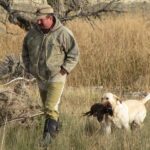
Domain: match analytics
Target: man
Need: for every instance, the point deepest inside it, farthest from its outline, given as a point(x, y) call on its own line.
point(50, 53)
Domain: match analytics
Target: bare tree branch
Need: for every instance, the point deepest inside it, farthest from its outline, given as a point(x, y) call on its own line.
point(5, 4)
point(19, 79)
point(24, 19)
point(24, 116)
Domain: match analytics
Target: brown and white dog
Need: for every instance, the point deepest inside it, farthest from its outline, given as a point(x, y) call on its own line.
point(125, 113)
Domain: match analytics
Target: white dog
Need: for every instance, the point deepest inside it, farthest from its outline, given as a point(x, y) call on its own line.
point(125, 113)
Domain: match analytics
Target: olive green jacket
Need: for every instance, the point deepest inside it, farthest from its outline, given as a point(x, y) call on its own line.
point(44, 54)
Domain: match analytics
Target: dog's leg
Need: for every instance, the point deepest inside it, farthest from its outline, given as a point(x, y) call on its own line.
point(106, 126)
point(106, 129)
point(135, 126)
point(127, 127)
point(139, 118)
point(138, 125)
point(125, 123)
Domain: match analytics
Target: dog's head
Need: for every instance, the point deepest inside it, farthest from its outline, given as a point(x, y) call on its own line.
point(111, 98)
point(99, 110)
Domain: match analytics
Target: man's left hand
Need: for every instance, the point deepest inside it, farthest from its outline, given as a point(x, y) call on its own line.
point(63, 71)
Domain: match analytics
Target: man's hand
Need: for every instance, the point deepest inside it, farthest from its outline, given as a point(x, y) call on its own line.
point(63, 71)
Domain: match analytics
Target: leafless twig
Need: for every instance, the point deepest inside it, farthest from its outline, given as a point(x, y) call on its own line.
point(22, 118)
point(19, 79)
point(19, 17)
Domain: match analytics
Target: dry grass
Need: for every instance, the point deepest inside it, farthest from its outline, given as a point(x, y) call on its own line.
point(78, 132)
point(11, 43)
point(115, 54)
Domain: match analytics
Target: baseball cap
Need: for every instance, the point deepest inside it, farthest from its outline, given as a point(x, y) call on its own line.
point(43, 11)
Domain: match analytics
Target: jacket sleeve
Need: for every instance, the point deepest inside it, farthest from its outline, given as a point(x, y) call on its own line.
point(72, 52)
point(25, 56)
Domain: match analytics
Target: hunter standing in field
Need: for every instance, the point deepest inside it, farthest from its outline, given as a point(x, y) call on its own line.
point(50, 53)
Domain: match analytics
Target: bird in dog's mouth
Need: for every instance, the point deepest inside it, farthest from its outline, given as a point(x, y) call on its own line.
point(99, 110)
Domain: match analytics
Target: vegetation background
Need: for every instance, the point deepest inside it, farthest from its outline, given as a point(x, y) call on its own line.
point(115, 57)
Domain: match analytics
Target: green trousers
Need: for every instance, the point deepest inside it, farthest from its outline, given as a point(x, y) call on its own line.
point(51, 94)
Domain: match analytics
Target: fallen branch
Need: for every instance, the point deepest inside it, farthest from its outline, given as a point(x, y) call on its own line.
point(22, 118)
point(19, 79)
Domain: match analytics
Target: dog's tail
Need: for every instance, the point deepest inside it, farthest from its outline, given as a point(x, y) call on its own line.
point(147, 98)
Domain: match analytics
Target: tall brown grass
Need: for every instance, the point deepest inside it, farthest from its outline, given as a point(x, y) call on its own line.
point(115, 51)
point(11, 43)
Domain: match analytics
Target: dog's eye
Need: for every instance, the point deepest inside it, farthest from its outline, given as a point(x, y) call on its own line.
point(102, 98)
point(107, 98)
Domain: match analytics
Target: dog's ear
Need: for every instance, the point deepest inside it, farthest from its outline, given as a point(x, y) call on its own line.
point(117, 98)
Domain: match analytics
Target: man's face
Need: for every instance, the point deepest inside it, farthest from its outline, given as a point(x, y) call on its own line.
point(45, 22)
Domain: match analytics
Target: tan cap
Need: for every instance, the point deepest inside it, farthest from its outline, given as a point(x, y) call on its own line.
point(43, 11)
